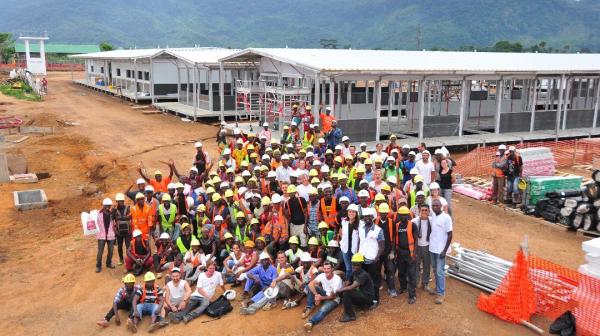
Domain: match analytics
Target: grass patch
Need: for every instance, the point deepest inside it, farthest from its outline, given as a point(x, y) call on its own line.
point(24, 93)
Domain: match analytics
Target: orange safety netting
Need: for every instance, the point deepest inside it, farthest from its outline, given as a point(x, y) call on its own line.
point(478, 162)
point(514, 299)
point(535, 285)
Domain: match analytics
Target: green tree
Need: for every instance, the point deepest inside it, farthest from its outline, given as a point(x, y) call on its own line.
point(105, 46)
point(328, 43)
point(7, 47)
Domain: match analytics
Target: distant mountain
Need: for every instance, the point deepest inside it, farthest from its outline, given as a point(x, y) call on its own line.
point(386, 24)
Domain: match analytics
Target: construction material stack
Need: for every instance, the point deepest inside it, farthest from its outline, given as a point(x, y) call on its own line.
point(537, 161)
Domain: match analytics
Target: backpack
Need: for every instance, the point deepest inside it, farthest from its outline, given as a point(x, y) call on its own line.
point(123, 225)
point(219, 307)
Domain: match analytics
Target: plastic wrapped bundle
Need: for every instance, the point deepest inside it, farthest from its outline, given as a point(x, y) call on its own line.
point(537, 161)
point(471, 191)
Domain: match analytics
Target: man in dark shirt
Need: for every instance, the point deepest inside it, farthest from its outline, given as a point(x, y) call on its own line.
point(295, 210)
point(387, 259)
point(360, 293)
point(407, 236)
point(123, 300)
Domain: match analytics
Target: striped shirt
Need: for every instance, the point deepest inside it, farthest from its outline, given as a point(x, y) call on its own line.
point(124, 294)
point(152, 295)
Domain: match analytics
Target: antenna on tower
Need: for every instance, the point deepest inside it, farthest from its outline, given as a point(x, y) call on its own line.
point(418, 36)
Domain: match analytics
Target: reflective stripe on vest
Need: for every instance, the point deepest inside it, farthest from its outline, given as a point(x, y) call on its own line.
point(331, 216)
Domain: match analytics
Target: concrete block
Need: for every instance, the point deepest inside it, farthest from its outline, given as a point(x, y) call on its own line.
point(36, 129)
point(24, 178)
point(30, 199)
point(4, 172)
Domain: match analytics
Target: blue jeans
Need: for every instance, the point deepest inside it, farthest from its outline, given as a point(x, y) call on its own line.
point(229, 278)
point(326, 307)
point(348, 263)
point(150, 309)
point(512, 185)
point(447, 194)
point(438, 265)
point(310, 297)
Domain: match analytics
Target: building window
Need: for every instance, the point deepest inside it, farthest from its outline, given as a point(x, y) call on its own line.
point(118, 72)
point(140, 75)
point(128, 74)
point(91, 68)
point(146, 76)
point(101, 70)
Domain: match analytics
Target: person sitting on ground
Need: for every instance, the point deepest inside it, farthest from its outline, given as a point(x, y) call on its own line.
point(334, 256)
point(360, 292)
point(194, 262)
point(247, 263)
point(123, 300)
point(138, 257)
point(294, 252)
point(280, 288)
point(232, 262)
point(184, 242)
point(177, 293)
point(316, 251)
point(165, 254)
point(323, 290)
point(148, 300)
point(200, 298)
point(260, 277)
point(306, 273)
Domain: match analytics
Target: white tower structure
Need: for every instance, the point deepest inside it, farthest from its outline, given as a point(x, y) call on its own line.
point(35, 65)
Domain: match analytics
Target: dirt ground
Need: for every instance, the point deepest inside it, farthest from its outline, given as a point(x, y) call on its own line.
point(48, 278)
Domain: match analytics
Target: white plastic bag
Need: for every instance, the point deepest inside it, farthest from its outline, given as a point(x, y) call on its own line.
point(89, 221)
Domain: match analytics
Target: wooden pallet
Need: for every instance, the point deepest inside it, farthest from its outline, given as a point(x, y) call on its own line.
point(591, 234)
point(563, 174)
point(477, 181)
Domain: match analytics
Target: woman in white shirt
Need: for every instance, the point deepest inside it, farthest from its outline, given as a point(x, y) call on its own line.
point(349, 237)
point(230, 263)
point(435, 193)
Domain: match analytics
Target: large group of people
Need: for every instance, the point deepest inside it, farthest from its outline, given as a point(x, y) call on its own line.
point(306, 219)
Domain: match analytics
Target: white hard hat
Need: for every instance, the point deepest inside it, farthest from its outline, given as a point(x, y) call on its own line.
point(434, 185)
point(321, 140)
point(310, 154)
point(328, 108)
point(344, 199)
point(136, 233)
point(271, 174)
point(285, 157)
point(368, 212)
point(353, 207)
point(236, 131)
point(406, 146)
point(107, 201)
point(333, 243)
point(226, 151)
point(164, 235)
point(339, 147)
point(414, 171)
point(265, 124)
point(324, 169)
point(412, 153)
point(362, 144)
point(305, 257)
point(224, 185)
point(425, 152)
point(395, 150)
point(229, 294)
point(149, 188)
point(392, 179)
point(437, 151)
point(502, 146)
point(194, 169)
point(140, 181)
point(266, 157)
point(218, 218)
point(242, 190)
point(276, 198)
point(420, 193)
point(171, 186)
point(271, 292)
point(363, 193)
point(512, 148)
point(345, 138)
point(390, 158)
point(198, 144)
point(264, 255)
point(317, 162)
point(246, 173)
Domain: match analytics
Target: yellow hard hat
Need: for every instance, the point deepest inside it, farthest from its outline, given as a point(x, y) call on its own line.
point(291, 189)
point(334, 176)
point(349, 157)
point(228, 235)
point(240, 214)
point(179, 185)
point(129, 278)
point(313, 173)
point(386, 187)
point(139, 195)
point(338, 159)
point(265, 200)
point(157, 172)
point(379, 197)
point(378, 159)
point(250, 146)
point(254, 221)
point(358, 258)
point(361, 169)
point(264, 168)
point(368, 162)
point(418, 178)
point(119, 197)
point(342, 176)
point(201, 207)
point(323, 225)
point(315, 180)
point(149, 276)
point(166, 197)
point(383, 208)
point(184, 225)
point(210, 190)
point(294, 240)
point(364, 155)
point(244, 163)
point(313, 241)
point(228, 193)
point(254, 155)
point(308, 107)
point(313, 190)
point(249, 243)
point(238, 179)
point(216, 180)
point(216, 197)
point(404, 211)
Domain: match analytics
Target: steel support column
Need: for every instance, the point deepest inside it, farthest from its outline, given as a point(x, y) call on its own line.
point(463, 104)
point(378, 109)
point(421, 107)
point(332, 96)
point(317, 107)
point(196, 97)
point(533, 104)
point(499, 95)
point(222, 91)
point(560, 102)
point(210, 90)
point(568, 99)
point(596, 99)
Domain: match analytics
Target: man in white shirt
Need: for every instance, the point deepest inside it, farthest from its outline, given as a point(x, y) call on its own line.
point(323, 289)
point(371, 246)
point(283, 172)
point(439, 242)
point(200, 299)
point(426, 168)
point(177, 292)
point(303, 189)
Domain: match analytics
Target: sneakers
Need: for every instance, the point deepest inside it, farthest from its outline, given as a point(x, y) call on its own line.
point(120, 262)
point(412, 300)
point(392, 293)
point(306, 312)
point(439, 299)
point(187, 319)
point(247, 311)
point(111, 266)
point(308, 326)
point(103, 323)
point(173, 317)
point(431, 291)
point(163, 323)
point(153, 327)
point(374, 305)
point(347, 318)
point(289, 304)
point(98, 269)
point(269, 306)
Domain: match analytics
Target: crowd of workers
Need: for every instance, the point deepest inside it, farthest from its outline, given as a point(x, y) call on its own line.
point(305, 215)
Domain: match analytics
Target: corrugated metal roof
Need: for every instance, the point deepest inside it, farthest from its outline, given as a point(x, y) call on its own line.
point(119, 54)
point(344, 60)
point(205, 56)
point(57, 48)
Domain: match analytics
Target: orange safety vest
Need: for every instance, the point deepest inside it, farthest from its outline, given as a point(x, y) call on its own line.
point(154, 291)
point(160, 186)
point(409, 234)
point(330, 216)
point(141, 219)
point(279, 226)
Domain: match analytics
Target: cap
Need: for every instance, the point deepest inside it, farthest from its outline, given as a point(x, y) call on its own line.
point(363, 193)
point(164, 235)
point(264, 255)
point(344, 199)
point(502, 146)
point(345, 138)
